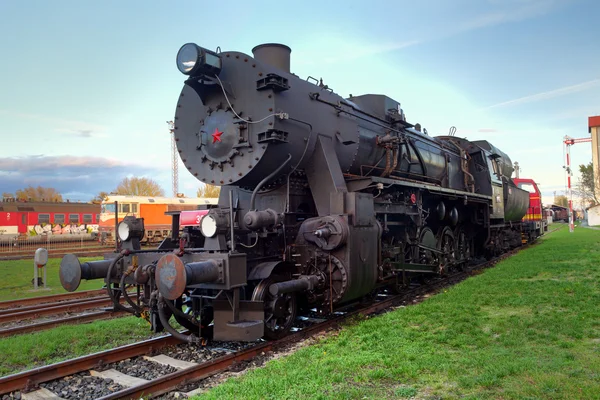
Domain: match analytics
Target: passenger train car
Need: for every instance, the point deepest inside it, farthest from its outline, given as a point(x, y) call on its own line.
point(35, 218)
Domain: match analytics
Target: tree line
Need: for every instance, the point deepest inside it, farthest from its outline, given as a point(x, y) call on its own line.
point(128, 186)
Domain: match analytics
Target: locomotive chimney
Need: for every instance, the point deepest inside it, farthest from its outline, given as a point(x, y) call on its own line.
point(277, 55)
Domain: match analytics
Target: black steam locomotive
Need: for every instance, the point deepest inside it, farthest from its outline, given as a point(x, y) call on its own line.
point(323, 200)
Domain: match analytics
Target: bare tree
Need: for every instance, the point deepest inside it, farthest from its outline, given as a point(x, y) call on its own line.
point(139, 187)
point(99, 197)
point(208, 191)
point(39, 193)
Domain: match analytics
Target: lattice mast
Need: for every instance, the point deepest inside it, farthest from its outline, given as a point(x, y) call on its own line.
point(174, 160)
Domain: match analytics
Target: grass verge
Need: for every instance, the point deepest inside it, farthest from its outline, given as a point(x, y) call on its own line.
point(23, 352)
point(528, 328)
point(17, 279)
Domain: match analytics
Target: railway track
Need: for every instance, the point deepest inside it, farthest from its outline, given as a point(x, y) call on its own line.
point(55, 298)
point(62, 304)
point(119, 373)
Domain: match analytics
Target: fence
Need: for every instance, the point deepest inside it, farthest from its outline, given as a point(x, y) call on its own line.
point(55, 244)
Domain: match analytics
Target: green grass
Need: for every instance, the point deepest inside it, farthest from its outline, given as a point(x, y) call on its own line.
point(23, 352)
point(17, 279)
point(527, 329)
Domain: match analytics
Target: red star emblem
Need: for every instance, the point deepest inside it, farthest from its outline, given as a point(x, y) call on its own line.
point(217, 136)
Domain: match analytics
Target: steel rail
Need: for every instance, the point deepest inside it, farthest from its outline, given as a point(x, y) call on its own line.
point(57, 303)
point(58, 309)
point(27, 380)
point(49, 299)
point(169, 382)
point(77, 319)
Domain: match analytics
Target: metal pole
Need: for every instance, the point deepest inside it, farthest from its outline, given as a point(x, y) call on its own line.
point(116, 226)
point(570, 193)
point(44, 276)
point(35, 275)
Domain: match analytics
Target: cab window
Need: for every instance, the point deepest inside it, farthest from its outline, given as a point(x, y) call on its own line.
point(527, 186)
point(108, 208)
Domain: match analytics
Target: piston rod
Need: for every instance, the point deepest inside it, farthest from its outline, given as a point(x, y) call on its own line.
point(305, 282)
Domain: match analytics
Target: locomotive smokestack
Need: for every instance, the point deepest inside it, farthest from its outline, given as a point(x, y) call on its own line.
point(277, 55)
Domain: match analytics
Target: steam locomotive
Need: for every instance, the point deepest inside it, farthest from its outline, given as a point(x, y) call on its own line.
point(323, 200)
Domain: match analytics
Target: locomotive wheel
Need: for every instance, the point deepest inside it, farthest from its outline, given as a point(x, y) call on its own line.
point(427, 238)
point(462, 246)
point(280, 310)
point(205, 320)
point(447, 245)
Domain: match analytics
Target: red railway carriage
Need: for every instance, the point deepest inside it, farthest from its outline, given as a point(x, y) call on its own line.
point(24, 218)
point(533, 221)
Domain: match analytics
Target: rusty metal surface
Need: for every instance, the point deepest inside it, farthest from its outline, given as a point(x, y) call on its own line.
point(170, 382)
point(49, 299)
point(78, 319)
point(39, 306)
point(58, 309)
point(28, 379)
point(171, 276)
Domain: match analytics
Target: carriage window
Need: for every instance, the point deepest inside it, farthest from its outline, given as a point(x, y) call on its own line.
point(134, 208)
point(125, 208)
point(43, 218)
point(73, 218)
point(87, 218)
point(59, 218)
point(97, 218)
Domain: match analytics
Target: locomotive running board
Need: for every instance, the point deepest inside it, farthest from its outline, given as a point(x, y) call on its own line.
point(248, 327)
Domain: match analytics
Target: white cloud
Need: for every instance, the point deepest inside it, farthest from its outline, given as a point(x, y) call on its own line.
point(549, 94)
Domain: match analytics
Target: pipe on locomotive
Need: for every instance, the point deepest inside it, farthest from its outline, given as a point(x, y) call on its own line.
point(173, 275)
point(72, 271)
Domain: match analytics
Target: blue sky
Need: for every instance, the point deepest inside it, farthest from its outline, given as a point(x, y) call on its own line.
point(87, 87)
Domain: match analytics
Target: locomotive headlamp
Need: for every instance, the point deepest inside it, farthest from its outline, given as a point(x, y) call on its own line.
point(195, 60)
point(131, 228)
point(208, 226)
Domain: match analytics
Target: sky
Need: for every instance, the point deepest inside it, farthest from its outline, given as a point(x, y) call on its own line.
point(86, 88)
